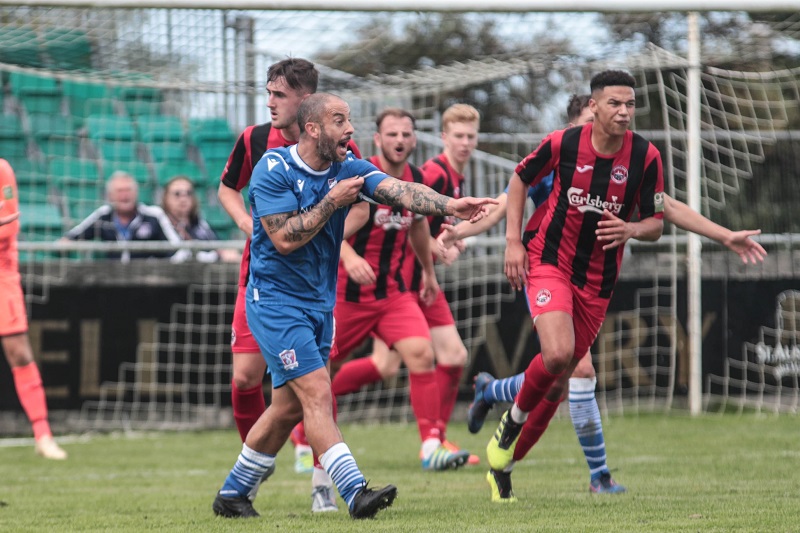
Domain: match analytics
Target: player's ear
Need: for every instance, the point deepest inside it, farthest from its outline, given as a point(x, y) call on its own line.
point(312, 129)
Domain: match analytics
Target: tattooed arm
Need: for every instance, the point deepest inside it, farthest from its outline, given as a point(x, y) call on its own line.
point(422, 199)
point(290, 231)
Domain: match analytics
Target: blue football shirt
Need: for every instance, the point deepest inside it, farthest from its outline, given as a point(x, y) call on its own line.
point(283, 183)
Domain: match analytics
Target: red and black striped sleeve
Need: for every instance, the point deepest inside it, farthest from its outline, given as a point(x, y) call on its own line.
point(239, 167)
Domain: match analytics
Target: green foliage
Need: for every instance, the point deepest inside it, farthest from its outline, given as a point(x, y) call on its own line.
point(712, 473)
point(437, 39)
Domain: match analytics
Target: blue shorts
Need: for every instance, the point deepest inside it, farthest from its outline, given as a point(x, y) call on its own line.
point(294, 341)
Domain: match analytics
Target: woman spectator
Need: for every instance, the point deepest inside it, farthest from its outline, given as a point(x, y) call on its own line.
point(180, 203)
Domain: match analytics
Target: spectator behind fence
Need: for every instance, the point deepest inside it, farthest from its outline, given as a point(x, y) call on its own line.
point(182, 208)
point(123, 218)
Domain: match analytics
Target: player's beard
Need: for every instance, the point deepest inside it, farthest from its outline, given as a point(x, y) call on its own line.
point(327, 147)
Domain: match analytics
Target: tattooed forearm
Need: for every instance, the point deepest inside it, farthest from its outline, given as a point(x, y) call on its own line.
point(413, 196)
point(298, 228)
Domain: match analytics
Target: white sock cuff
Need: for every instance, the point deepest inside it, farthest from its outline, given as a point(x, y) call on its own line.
point(582, 384)
point(256, 456)
point(331, 454)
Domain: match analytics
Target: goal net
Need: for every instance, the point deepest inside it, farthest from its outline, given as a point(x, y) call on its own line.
point(163, 92)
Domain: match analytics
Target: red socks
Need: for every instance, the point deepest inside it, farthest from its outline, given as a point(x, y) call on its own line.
point(248, 405)
point(28, 383)
point(447, 378)
point(353, 375)
point(536, 384)
point(535, 426)
point(424, 393)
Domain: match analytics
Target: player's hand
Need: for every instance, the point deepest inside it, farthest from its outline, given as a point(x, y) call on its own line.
point(359, 270)
point(614, 229)
point(446, 239)
point(345, 192)
point(430, 289)
point(8, 219)
point(749, 250)
point(472, 209)
point(449, 256)
point(516, 265)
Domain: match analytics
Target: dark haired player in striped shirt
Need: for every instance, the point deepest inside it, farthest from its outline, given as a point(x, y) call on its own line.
point(583, 408)
point(603, 172)
point(372, 297)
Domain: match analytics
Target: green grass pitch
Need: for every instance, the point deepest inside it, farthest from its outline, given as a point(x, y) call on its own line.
point(711, 473)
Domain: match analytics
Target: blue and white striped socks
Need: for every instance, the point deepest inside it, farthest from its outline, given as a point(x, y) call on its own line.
point(339, 463)
point(246, 473)
point(503, 390)
point(588, 426)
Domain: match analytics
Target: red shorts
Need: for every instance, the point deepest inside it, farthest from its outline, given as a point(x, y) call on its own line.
point(242, 340)
point(549, 289)
point(438, 313)
point(391, 319)
point(13, 315)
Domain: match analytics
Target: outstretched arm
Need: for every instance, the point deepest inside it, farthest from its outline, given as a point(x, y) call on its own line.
point(451, 234)
point(422, 199)
point(739, 242)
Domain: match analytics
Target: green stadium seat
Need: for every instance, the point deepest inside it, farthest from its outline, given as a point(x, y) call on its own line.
point(43, 126)
point(160, 128)
point(77, 210)
point(110, 127)
point(96, 106)
point(79, 93)
point(164, 152)
point(72, 167)
point(139, 170)
point(221, 222)
point(41, 218)
point(10, 127)
point(136, 108)
point(42, 103)
point(118, 150)
point(59, 146)
point(215, 150)
point(214, 167)
point(32, 181)
point(167, 171)
point(77, 180)
point(210, 129)
point(67, 49)
point(83, 90)
point(38, 94)
point(140, 100)
point(19, 46)
point(13, 148)
point(23, 84)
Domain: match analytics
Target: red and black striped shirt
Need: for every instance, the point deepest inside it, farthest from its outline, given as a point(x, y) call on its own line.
point(382, 242)
point(249, 147)
point(584, 184)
